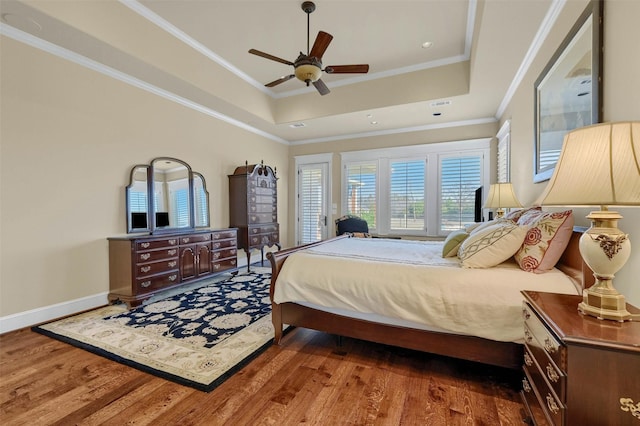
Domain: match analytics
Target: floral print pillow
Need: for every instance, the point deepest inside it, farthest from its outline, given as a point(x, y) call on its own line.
point(545, 241)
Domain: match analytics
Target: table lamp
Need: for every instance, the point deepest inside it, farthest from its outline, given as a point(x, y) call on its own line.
point(599, 165)
point(501, 195)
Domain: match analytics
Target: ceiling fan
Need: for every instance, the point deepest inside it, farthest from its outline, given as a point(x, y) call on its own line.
point(308, 67)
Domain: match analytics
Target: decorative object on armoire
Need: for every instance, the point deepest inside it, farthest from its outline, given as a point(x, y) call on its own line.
point(501, 195)
point(600, 166)
point(166, 196)
point(181, 338)
point(253, 208)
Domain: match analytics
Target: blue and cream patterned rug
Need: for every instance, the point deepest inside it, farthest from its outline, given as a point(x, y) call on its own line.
point(198, 338)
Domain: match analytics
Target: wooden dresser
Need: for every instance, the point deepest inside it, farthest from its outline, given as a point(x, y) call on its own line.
point(253, 208)
point(578, 370)
point(140, 266)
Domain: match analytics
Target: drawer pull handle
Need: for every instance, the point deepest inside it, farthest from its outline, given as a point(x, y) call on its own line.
point(233, 262)
point(552, 374)
point(172, 277)
point(145, 284)
point(525, 385)
point(527, 360)
point(185, 240)
point(626, 404)
point(145, 245)
point(216, 266)
point(145, 256)
point(216, 236)
point(551, 403)
point(145, 268)
point(528, 336)
point(172, 242)
point(172, 263)
point(549, 346)
point(216, 245)
point(216, 255)
point(525, 314)
point(172, 252)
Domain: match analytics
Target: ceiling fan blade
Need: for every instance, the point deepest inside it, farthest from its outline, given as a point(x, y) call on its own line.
point(280, 80)
point(321, 87)
point(347, 69)
point(273, 58)
point(320, 45)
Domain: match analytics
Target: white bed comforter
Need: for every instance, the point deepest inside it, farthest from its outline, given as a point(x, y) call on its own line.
point(410, 281)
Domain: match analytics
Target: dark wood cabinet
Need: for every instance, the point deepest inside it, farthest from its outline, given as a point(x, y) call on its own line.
point(253, 208)
point(140, 266)
point(578, 370)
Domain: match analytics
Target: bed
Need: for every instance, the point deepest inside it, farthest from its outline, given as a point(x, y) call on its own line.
point(312, 287)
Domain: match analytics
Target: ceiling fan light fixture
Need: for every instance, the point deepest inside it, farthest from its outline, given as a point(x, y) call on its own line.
point(308, 73)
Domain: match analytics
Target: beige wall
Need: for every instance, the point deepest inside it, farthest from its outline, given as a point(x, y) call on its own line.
point(69, 139)
point(621, 102)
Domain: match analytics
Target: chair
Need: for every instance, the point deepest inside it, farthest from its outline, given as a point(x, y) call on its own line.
point(354, 225)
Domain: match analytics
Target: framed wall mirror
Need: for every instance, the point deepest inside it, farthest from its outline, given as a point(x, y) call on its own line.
point(166, 196)
point(568, 92)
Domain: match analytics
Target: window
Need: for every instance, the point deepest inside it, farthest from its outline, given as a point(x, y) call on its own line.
point(360, 194)
point(460, 176)
point(425, 190)
point(406, 200)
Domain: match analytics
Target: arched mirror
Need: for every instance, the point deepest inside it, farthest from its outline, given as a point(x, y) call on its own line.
point(176, 197)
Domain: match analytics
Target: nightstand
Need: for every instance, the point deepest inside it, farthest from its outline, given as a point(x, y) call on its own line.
point(578, 370)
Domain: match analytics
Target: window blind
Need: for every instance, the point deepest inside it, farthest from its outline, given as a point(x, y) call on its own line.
point(459, 179)
point(361, 193)
point(407, 194)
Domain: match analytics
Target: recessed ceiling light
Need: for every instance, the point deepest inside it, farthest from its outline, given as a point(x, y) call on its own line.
point(297, 125)
point(374, 122)
point(427, 44)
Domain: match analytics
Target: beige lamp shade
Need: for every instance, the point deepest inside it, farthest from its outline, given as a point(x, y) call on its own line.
point(501, 195)
point(599, 165)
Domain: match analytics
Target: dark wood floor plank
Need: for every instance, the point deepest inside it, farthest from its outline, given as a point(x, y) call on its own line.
point(308, 379)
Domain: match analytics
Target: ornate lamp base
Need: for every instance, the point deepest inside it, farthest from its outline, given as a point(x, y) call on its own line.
point(605, 249)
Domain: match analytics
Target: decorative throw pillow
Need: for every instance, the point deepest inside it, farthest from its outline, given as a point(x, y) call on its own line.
point(452, 243)
point(492, 245)
point(485, 225)
point(515, 215)
point(547, 238)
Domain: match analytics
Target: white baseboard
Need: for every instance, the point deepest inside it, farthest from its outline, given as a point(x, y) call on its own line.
point(51, 312)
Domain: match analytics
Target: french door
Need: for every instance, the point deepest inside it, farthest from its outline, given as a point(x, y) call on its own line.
point(313, 199)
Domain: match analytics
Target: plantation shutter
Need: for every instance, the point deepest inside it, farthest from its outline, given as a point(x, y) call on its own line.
point(361, 192)
point(459, 179)
point(407, 194)
point(311, 193)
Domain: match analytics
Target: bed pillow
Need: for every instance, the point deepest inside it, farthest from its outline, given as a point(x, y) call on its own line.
point(485, 225)
point(547, 238)
point(453, 242)
point(492, 245)
point(515, 215)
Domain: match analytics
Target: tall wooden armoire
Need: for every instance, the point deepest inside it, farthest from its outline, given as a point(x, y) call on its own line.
point(253, 208)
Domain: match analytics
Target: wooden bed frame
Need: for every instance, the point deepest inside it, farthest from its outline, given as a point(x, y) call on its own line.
point(504, 354)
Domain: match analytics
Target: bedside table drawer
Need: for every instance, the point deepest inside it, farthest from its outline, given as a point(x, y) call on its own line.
point(534, 357)
point(551, 404)
point(539, 336)
point(530, 398)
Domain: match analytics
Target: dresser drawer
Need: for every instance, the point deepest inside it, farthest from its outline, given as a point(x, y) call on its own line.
point(145, 285)
point(263, 208)
point(539, 338)
point(156, 244)
point(223, 254)
point(146, 269)
point(224, 264)
point(264, 239)
point(222, 235)
point(554, 376)
point(222, 244)
point(200, 238)
point(151, 256)
point(551, 404)
point(264, 229)
point(530, 398)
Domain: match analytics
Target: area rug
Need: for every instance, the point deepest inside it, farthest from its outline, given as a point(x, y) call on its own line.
point(197, 338)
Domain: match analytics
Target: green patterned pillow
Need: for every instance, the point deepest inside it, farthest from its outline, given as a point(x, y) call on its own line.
point(453, 242)
point(492, 245)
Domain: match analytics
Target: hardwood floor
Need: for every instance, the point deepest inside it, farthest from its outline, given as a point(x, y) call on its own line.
point(306, 380)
